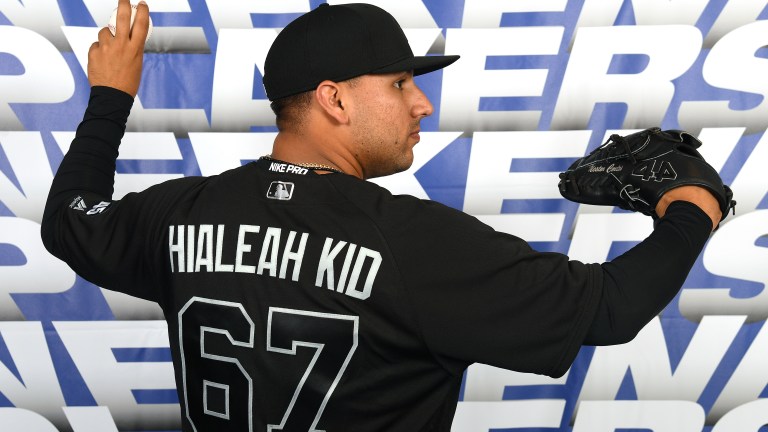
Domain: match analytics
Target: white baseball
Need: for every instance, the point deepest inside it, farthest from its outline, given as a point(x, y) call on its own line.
point(113, 21)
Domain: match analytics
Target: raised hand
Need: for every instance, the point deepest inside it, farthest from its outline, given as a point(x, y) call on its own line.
point(116, 61)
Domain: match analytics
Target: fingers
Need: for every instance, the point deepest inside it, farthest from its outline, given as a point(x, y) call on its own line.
point(117, 61)
point(94, 46)
point(104, 35)
point(141, 23)
point(123, 22)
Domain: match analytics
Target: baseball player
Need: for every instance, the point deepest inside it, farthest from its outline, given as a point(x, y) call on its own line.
point(300, 297)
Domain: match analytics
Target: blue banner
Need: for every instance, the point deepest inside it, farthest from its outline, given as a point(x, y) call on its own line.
point(539, 84)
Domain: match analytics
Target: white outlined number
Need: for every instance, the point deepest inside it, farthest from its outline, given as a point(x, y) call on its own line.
point(211, 403)
point(210, 322)
point(334, 339)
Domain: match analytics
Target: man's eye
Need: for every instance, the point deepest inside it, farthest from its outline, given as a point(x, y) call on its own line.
point(399, 84)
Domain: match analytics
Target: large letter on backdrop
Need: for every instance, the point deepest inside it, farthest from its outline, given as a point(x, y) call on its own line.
point(539, 84)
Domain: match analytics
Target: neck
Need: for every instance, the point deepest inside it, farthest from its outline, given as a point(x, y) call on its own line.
point(310, 152)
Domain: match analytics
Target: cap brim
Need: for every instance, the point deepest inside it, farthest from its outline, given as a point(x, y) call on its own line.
point(419, 65)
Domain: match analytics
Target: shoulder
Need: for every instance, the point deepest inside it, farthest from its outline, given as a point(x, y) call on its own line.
point(393, 212)
point(194, 182)
point(174, 192)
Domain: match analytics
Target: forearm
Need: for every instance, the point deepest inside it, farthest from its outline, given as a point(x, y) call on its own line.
point(89, 165)
point(638, 284)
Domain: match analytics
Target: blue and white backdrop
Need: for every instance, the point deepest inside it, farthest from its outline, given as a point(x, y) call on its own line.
point(540, 82)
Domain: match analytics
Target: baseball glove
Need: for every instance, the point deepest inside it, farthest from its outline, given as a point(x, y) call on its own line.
point(634, 171)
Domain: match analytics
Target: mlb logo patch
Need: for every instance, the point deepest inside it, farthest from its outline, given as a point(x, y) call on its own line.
point(280, 190)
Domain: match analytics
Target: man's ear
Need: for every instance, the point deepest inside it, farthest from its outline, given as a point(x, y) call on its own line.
point(329, 95)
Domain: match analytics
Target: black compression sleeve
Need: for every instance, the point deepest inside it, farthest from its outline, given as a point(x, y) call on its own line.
point(638, 284)
point(89, 165)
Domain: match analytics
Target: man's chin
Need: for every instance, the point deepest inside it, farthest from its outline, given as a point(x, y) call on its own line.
point(394, 168)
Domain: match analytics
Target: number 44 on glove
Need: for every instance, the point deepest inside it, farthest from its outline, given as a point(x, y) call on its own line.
point(634, 171)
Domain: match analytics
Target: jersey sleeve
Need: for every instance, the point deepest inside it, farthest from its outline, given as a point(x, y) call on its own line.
point(108, 242)
point(632, 295)
point(480, 295)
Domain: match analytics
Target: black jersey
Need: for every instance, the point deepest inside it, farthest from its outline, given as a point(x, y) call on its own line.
point(299, 302)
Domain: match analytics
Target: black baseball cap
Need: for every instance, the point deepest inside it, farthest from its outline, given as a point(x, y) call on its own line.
point(338, 43)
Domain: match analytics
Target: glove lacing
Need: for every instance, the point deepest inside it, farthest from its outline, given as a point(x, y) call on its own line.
point(618, 139)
